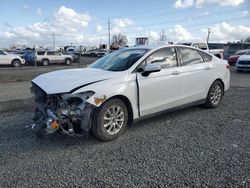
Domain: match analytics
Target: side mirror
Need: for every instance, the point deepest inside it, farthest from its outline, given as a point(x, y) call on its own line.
point(150, 68)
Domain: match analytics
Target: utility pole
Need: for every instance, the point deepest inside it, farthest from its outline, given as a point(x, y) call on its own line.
point(208, 33)
point(54, 42)
point(109, 31)
point(163, 37)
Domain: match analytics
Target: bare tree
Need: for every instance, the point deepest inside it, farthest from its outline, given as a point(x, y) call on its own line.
point(247, 40)
point(119, 41)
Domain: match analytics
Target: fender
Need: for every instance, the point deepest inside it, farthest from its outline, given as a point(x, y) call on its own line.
point(125, 86)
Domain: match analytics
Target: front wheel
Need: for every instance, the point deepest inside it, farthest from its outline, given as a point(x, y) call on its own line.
point(214, 95)
point(110, 120)
point(16, 63)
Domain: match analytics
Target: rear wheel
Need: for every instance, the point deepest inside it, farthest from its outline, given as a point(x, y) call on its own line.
point(68, 61)
point(16, 63)
point(45, 62)
point(214, 95)
point(110, 120)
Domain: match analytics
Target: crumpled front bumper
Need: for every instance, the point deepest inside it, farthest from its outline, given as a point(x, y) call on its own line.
point(63, 116)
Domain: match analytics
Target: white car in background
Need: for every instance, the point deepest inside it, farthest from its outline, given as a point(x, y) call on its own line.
point(243, 63)
point(125, 86)
point(11, 59)
point(49, 57)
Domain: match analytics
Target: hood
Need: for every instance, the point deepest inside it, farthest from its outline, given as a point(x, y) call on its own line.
point(64, 81)
point(233, 57)
point(244, 58)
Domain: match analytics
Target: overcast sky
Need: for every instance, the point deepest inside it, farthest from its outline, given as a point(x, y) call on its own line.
point(85, 21)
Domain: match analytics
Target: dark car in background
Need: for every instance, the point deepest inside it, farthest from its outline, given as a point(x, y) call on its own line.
point(233, 58)
point(27, 55)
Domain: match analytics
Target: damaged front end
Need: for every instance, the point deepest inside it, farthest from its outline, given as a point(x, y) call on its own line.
point(67, 113)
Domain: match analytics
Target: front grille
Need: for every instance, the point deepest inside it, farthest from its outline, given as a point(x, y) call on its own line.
point(244, 62)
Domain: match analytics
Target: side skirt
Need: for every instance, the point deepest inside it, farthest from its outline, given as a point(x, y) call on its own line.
point(199, 102)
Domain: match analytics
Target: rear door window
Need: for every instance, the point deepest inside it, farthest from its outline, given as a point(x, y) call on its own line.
point(40, 53)
point(206, 57)
point(50, 53)
point(190, 56)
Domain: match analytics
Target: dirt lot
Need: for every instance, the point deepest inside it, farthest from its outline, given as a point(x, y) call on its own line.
point(187, 148)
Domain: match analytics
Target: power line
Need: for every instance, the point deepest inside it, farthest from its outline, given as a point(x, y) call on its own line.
point(181, 20)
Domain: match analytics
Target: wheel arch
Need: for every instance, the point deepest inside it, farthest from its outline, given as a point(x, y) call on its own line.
point(14, 59)
point(223, 85)
point(127, 103)
point(45, 59)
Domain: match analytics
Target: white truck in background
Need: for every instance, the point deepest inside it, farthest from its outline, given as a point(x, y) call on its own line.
point(48, 57)
point(10, 59)
point(204, 46)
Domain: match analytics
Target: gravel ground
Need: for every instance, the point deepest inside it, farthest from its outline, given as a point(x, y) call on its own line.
point(187, 148)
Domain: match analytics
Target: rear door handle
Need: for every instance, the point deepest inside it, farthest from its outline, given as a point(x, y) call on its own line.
point(208, 68)
point(175, 73)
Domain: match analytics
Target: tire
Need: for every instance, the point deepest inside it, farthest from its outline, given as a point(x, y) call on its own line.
point(116, 114)
point(16, 63)
point(45, 62)
point(68, 61)
point(214, 95)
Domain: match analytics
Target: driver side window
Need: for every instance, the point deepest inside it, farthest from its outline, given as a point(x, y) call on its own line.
point(166, 57)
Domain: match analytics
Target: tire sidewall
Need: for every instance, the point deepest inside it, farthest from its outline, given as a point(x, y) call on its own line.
point(98, 127)
point(16, 63)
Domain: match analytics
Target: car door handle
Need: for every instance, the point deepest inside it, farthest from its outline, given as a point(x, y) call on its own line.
point(208, 68)
point(175, 73)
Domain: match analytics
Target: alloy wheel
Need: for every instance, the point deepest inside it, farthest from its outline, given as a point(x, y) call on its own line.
point(216, 94)
point(113, 119)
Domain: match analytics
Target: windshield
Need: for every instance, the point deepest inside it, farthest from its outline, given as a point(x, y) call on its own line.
point(120, 60)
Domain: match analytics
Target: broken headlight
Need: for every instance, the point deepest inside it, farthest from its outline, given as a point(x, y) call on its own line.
point(73, 104)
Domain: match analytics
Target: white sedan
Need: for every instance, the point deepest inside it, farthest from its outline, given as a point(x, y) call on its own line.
point(127, 85)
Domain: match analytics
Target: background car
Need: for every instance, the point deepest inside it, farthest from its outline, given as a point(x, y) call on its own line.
point(11, 59)
point(233, 58)
point(243, 63)
point(48, 57)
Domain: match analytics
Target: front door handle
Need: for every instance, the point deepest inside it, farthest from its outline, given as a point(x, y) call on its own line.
point(175, 73)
